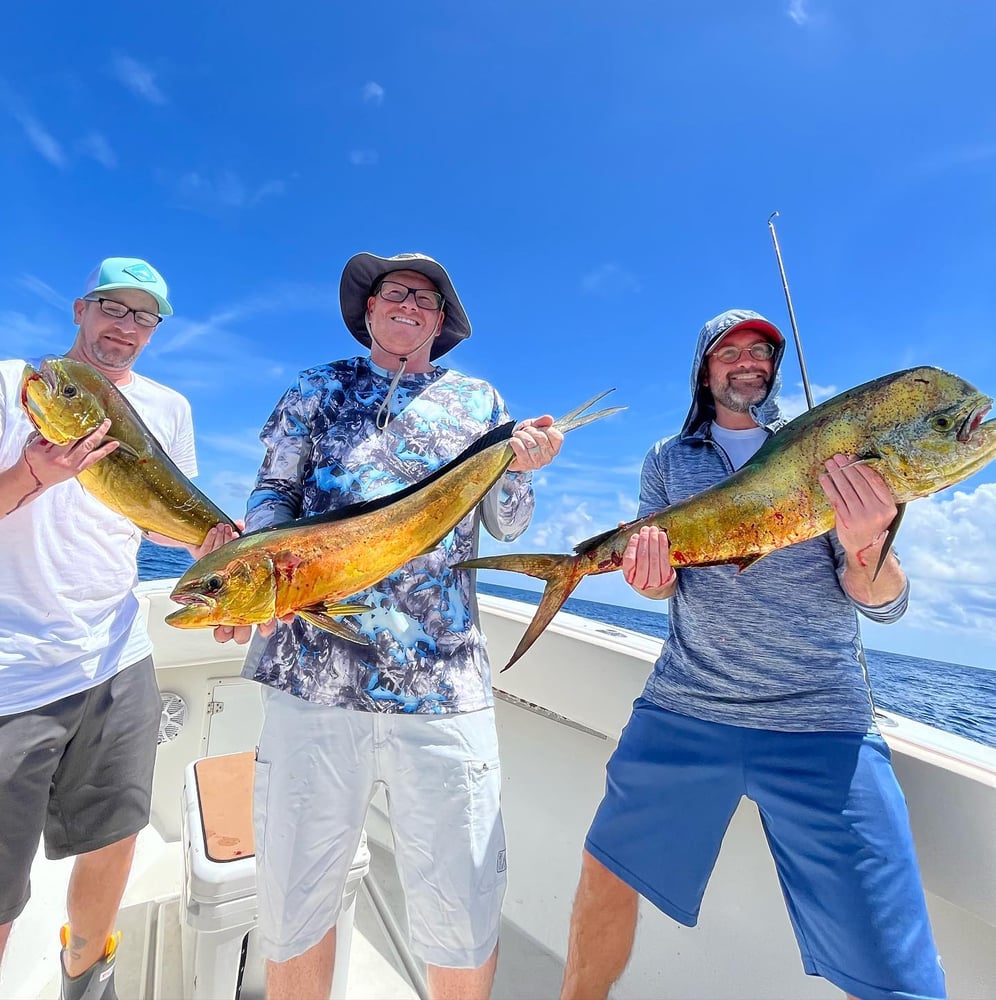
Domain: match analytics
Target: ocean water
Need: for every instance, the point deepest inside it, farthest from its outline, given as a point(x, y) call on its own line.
point(949, 696)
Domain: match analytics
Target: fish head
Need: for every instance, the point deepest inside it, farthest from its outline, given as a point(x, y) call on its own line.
point(233, 585)
point(933, 432)
point(60, 399)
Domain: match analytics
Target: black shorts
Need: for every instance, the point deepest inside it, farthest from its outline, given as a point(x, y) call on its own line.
point(79, 771)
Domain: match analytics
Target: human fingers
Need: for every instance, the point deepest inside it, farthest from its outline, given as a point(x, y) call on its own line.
point(534, 442)
point(268, 628)
point(856, 491)
point(629, 558)
point(651, 559)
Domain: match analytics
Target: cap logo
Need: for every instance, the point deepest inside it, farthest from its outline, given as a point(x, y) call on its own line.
point(140, 272)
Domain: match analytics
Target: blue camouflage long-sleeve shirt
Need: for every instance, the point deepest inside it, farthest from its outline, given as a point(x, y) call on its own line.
point(324, 451)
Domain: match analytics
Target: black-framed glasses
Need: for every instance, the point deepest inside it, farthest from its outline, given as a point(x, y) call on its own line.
point(395, 291)
point(118, 310)
point(762, 351)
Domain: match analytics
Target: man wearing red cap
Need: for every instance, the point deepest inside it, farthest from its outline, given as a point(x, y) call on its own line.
point(760, 691)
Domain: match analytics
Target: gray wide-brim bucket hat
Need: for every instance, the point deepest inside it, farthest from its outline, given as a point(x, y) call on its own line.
point(356, 285)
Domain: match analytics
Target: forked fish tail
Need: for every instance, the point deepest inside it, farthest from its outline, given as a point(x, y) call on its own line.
point(562, 574)
point(578, 418)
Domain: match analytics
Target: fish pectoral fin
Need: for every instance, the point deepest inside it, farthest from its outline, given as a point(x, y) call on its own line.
point(747, 561)
point(124, 449)
point(890, 538)
point(321, 616)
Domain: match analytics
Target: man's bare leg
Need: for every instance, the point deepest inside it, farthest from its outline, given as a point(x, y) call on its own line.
point(603, 925)
point(307, 976)
point(462, 984)
point(4, 934)
point(95, 890)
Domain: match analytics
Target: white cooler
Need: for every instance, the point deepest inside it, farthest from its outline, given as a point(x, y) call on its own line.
point(218, 902)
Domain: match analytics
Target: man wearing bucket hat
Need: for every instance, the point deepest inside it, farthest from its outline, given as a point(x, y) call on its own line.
point(413, 709)
point(761, 691)
point(79, 706)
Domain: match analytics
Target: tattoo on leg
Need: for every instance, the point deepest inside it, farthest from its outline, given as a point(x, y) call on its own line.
point(76, 946)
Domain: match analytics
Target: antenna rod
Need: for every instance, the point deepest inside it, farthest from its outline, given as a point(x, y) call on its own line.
point(791, 311)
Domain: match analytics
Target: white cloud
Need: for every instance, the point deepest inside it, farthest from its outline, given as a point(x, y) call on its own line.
point(373, 93)
point(267, 190)
point(609, 279)
point(96, 146)
point(798, 11)
point(43, 140)
point(216, 336)
point(363, 157)
point(794, 403)
point(138, 78)
point(245, 445)
point(226, 190)
point(31, 336)
point(44, 291)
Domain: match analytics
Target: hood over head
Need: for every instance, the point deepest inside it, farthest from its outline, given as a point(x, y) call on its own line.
point(767, 413)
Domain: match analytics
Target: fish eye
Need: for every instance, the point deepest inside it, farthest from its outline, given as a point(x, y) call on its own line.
point(942, 422)
point(213, 583)
point(69, 391)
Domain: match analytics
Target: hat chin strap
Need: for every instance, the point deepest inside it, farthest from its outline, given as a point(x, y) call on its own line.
point(384, 410)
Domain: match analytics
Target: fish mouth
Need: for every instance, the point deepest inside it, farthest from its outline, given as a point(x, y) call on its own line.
point(192, 601)
point(196, 611)
point(973, 420)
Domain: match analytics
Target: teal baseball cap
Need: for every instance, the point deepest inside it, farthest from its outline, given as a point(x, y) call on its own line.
point(129, 272)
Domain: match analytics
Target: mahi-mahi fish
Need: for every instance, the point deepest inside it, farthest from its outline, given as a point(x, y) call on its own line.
point(921, 429)
point(309, 565)
point(66, 399)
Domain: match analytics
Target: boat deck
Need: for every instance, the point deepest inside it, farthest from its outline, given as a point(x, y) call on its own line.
point(559, 713)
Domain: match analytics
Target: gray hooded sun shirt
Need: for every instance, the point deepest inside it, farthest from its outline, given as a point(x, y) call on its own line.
point(778, 645)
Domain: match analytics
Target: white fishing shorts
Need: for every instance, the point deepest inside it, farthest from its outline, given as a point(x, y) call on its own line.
point(316, 772)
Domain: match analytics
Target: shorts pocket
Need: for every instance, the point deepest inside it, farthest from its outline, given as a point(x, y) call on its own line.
point(486, 828)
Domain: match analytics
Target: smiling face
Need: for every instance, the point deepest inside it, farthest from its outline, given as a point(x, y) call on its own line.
point(740, 384)
point(403, 329)
point(111, 345)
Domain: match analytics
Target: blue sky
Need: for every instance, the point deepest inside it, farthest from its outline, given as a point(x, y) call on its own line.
point(597, 179)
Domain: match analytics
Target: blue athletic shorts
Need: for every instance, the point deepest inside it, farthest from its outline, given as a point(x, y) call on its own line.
point(836, 824)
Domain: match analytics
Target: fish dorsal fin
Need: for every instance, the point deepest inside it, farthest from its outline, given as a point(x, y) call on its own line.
point(495, 436)
point(321, 616)
point(590, 543)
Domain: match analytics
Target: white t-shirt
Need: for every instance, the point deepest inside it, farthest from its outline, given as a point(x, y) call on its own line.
point(68, 617)
point(739, 445)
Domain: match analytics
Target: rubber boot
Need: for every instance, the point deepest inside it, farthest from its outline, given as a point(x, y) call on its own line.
point(97, 983)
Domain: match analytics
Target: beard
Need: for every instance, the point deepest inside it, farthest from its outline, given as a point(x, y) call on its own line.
point(738, 398)
point(115, 358)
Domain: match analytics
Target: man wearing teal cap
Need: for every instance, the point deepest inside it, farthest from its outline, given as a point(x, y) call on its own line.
point(79, 706)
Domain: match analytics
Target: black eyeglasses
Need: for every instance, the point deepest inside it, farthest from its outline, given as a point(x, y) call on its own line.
point(395, 291)
point(118, 310)
point(763, 351)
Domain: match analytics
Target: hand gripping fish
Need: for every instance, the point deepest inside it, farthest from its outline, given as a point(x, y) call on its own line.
point(310, 565)
point(921, 429)
point(66, 400)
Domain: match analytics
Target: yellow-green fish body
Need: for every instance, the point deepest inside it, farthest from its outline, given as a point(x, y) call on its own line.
point(66, 400)
point(310, 565)
point(921, 429)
